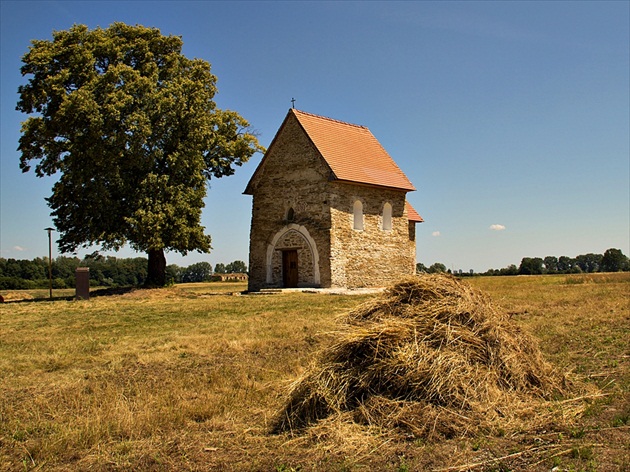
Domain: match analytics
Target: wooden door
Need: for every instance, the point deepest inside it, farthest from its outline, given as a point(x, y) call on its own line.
point(290, 268)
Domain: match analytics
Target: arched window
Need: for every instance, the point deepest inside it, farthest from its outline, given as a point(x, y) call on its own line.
point(290, 214)
point(387, 216)
point(358, 215)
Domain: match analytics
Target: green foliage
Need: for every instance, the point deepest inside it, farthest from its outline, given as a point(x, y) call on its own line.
point(421, 268)
point(589, 262)
point(236, 267)
point(551, 264)
point(565, 264)
point(16, 283)
point(531, 266)
point(614, 260)
point(116, 272)
point(173, 274)
point(65, 267)
point(104, 272)
point(24, 274)
point(510, 270)
point(130, 125)
point(437, 268)
point(199, 272)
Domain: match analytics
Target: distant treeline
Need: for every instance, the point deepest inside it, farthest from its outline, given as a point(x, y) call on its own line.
point(613, 260)
point(22, 274)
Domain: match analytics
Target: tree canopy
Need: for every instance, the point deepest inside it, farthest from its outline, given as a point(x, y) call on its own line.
point(531, 266)
point(236, 267)
point(198, 272)
point(130, 126)
point(614, 260)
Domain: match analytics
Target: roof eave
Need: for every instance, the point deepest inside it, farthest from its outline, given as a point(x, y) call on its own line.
point(411, 188)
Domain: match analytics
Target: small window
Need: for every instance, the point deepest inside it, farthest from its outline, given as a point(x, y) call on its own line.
point(290, 214)
point(358, 215)
point(387, 217)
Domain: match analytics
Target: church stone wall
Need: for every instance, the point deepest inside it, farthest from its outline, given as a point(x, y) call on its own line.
point(371, 257)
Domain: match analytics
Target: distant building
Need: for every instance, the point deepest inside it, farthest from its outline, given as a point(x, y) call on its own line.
point(232, 277)
point(329, 209)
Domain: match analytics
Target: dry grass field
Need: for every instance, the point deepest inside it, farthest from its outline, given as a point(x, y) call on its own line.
point(191, 378)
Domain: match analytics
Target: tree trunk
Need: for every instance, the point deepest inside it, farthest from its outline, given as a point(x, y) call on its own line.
point(156, 276)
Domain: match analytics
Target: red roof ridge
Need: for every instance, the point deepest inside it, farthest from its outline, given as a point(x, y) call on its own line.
point(294, 110)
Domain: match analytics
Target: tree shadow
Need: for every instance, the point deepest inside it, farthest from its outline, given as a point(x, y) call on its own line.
point(37, 300)
point(113, 291)
point(101, 292)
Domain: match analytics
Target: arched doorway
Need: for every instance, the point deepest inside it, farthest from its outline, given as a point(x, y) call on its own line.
point(292, 258)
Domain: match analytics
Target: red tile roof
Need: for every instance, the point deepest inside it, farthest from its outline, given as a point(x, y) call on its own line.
point(412, 214)
point(352, 152)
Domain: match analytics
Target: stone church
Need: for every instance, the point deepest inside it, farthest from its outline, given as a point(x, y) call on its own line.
point(329, 209)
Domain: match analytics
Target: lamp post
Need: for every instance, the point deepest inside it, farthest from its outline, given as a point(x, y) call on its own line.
point(50, 230)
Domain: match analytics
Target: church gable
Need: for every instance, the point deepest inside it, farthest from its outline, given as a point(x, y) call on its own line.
point(292, 159)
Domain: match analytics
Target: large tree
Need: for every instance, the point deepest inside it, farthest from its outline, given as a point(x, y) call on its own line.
point(589, 262)
point(531, 266)
point(614, 260)
point(130, 126)
point(198, 272)
point(236, 267)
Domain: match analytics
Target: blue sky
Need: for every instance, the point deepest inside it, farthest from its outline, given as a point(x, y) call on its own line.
point(511, 118)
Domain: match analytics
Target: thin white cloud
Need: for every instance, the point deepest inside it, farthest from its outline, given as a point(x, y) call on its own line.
point(497, 227)
point(435, 233)
point(18, 248)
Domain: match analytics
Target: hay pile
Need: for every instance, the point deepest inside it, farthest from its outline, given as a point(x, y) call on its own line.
point(431, 358)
